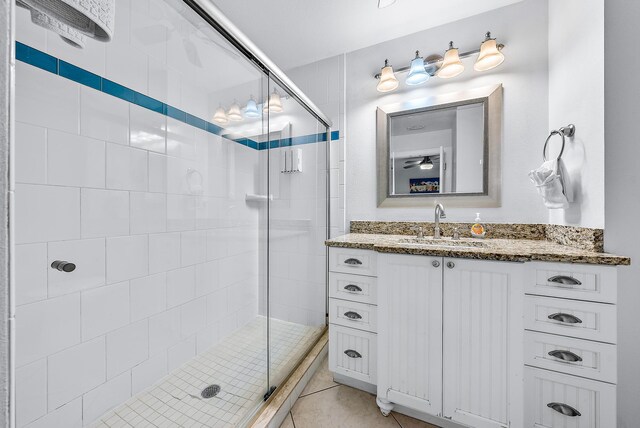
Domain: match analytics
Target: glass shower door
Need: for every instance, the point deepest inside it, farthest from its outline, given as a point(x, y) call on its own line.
point(297, 231)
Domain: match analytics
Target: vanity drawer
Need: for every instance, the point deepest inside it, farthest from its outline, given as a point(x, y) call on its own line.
point(585, 320)
point(578, 357)
point(352, 353)
point(578, 402)
point(352, 314)
point(356, 288)
point(573, 281)
point(350, 260)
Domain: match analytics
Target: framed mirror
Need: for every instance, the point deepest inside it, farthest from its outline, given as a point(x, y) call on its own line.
point(445, 146)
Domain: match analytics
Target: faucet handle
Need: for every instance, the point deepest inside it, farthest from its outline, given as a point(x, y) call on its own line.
point(456, 234)
point(419, 231)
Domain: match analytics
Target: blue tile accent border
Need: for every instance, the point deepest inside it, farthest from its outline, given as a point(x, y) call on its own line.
point(49, 63)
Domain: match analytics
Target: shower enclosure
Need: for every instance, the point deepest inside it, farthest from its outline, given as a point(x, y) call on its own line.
point(171, 200)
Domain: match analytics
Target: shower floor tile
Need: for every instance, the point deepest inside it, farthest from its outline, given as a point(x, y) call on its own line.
point(237, 365)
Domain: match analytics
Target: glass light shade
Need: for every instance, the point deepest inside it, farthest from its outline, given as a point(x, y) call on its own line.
point(388, 81)
point(428, 164)
point(451, 65)
point(275, 103)
point(251, 110)
point(417, 73)
point(220, 116)
point(234, 113)
point(490, 56)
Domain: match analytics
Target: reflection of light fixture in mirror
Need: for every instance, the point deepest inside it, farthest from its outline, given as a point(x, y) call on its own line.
point(451, 65)
point(388, 81)
point(385, 3)
point(251, 110)
point(426, 163)
point(234, 113)
point(220, 116)
point(417, 73)
point(490, 56)
point(275, 103)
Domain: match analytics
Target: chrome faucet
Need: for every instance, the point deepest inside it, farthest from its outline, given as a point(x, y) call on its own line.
point(439, 213)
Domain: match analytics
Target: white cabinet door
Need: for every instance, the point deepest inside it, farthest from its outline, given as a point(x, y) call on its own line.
point(410, 331)
point(483, 355)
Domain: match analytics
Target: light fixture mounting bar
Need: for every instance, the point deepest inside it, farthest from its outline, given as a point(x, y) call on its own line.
point(438, 61)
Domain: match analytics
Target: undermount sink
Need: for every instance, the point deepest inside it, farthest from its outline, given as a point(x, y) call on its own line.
point(446, 243)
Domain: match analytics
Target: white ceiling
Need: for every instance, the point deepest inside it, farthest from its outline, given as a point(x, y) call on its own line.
point(298, 32)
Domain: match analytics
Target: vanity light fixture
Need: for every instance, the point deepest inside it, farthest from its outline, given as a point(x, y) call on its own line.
point(275, 103)
point(451, 65)
point(388, 81)
point(251, 110)
point(234, 113)
point(417, 72)
point(220, 116)
point(490, 55)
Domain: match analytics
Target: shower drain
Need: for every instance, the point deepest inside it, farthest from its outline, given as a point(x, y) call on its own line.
point(210, 391)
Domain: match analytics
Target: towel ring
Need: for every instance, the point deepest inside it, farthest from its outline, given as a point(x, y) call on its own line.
point(565, 131)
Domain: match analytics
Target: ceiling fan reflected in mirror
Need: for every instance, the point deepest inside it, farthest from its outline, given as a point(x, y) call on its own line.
point(425, 162)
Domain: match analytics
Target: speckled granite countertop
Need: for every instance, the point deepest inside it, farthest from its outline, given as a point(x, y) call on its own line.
point(514, 250)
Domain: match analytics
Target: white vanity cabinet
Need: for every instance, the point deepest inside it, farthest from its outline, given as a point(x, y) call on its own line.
point(482, 343)
point(449, 338)
point(353, 314)
point(570, 346)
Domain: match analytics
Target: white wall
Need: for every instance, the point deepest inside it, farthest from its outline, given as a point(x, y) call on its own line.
point(523, 28)
point(622, 181)
point(166, 264)
point(576, 94)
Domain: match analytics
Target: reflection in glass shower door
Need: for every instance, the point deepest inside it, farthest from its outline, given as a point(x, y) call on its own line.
point(297, 231)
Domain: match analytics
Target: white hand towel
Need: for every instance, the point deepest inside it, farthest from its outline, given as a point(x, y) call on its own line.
point(549, 184)
point(93, 18)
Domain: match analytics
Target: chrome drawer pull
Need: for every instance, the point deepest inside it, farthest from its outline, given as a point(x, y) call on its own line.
point(353, 288)
point(352, 354)
point(353, 262)
point(565, 318)
point(564, 409)
point(564, 280)
point(353, 315)
point(565, 355)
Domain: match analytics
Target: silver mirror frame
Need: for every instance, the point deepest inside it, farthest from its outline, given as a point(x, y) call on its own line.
point(491, 97)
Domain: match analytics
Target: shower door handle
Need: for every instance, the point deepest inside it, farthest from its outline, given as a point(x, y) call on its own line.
point(63, 266)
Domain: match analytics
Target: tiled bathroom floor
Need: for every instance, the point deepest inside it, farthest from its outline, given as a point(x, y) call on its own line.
point(237, 364)
point(326, 404)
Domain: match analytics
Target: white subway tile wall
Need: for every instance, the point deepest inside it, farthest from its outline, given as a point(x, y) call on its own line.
point(102, 183)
